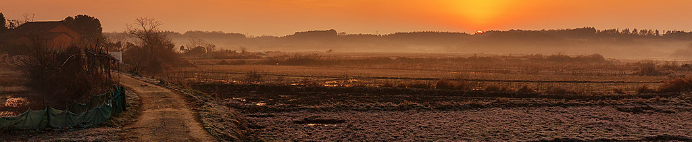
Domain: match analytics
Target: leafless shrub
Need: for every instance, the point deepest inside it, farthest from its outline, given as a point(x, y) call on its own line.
point(72, 74)
point(671, 65)
point(648, 69)
point(676, 85)
point(445, 84)
point(154, 51)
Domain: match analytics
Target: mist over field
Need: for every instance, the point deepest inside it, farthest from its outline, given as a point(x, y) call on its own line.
point(611, 43)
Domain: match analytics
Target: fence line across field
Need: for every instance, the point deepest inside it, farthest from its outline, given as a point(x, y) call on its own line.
point(432, 78)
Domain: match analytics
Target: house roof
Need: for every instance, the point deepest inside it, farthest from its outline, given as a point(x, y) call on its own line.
point(35, 28)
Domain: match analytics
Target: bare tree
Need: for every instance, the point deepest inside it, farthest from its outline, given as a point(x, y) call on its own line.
point(154, 51)
point(195, 42)
point(146, 30)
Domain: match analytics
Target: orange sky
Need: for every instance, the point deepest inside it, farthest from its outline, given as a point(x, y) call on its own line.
point(282, 17)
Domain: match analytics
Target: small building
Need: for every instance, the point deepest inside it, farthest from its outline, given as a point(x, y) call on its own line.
point(118, 55)
point(52, 34)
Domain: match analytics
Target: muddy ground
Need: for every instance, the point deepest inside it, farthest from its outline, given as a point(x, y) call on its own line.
point(399, 114)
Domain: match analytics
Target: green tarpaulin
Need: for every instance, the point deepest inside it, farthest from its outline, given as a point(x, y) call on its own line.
point(98, 109)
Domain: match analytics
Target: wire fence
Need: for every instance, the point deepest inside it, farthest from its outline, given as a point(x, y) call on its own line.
point(602, 86)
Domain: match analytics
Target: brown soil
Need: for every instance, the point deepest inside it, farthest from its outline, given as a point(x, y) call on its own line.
point(165, 116)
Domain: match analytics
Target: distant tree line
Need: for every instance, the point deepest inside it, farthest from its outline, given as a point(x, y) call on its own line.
point(582, 33)
point(433, 41)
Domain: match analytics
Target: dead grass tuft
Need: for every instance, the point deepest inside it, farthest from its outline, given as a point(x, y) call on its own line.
point(649, 69)
point(676, 85)
point(644, 89)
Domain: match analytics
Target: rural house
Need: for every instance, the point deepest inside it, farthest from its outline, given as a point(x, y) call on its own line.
point(53, 34)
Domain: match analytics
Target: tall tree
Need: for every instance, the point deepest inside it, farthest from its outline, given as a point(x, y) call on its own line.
point(3, 23)
point(88, 26)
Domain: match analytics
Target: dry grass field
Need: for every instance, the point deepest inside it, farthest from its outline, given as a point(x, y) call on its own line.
point(539, 72)
point(448, 97)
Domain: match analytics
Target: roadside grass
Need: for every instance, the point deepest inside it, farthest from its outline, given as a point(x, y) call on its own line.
point(222, 122)
point(128, 116)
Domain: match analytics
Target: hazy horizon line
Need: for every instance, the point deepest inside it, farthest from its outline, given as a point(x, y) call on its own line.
point(377, 33)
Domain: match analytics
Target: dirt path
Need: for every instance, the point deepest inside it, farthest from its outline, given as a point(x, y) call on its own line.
point(165, 115)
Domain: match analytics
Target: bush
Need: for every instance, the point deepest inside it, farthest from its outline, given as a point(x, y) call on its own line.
point(676, 85)
point(72, 74)
point(445, 84)
point(648, 69)
point(153, 52)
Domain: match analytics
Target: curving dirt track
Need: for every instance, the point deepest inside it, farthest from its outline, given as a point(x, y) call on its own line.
point(165, 116)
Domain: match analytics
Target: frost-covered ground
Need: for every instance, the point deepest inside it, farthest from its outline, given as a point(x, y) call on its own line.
point(286, 113)
point(488, 124)
point(627, 119)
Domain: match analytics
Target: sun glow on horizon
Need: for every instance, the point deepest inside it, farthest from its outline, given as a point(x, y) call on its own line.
point(481, 14)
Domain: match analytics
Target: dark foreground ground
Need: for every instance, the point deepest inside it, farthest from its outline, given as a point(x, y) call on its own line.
point(390, 114)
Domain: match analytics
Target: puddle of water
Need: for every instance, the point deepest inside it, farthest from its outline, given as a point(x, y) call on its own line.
point(312, 124)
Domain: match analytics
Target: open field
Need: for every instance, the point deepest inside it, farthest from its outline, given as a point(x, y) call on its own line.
point(539, 72)
point(503, 100)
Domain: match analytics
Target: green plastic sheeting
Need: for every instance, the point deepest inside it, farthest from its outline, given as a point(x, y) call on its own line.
point(98, 109)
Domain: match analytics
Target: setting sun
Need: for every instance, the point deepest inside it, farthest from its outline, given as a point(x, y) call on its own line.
point(479, 13)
